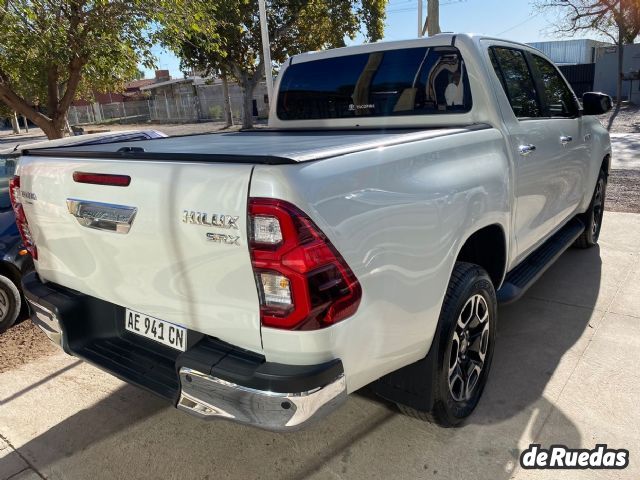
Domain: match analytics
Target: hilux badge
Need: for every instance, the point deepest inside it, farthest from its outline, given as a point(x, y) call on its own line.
point(213, 220)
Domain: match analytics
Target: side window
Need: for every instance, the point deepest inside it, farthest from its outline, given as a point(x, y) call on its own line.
point(559, 98)
point(514, 74)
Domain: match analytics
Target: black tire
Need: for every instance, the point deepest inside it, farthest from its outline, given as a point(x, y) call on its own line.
point(10, 303)
point(450, 408)
point(592, 218)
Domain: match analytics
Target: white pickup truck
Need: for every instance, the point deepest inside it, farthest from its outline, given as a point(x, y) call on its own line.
point(401, 191)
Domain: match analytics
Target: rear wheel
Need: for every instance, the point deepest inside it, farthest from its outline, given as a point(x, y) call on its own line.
point(467, 328)
point(10, 303)
point(592, 218)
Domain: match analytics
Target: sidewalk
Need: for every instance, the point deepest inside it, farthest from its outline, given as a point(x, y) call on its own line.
point(564, 372)
point(9, 140)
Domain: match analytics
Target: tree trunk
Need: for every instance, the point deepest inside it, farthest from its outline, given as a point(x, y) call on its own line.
point(248, 86)
point(226, 100)
point(433, 17)
point(14, 123)
point(620, 68)
point(52, 129)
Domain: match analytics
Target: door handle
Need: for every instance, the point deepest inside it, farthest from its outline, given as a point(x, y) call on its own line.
point(525, 150)
point(564, 139)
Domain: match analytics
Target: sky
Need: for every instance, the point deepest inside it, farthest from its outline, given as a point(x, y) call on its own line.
point(512, 19)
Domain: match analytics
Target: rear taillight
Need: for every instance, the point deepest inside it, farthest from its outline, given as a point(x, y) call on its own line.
point(303, 282)
point(21, 219)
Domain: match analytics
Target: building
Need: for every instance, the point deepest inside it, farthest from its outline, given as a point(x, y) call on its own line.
point(605, 79)
point(132, 92)
point(211, 99)
point(576, 59)
point(570, 52)
point(133, 88)
point(173, 87)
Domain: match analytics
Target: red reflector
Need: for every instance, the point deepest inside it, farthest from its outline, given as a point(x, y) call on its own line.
point(15, 195)
point(102, 179)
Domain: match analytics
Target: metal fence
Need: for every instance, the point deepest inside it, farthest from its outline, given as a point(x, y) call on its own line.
point(205, 104)
point(580, 77)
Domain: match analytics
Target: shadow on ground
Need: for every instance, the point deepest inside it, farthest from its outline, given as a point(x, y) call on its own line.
point(625, 150)
point(131, 434)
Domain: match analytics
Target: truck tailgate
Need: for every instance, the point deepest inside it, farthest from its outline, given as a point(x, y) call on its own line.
point(174, 263)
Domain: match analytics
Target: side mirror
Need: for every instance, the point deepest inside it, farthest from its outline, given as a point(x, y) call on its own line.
point(596, 103)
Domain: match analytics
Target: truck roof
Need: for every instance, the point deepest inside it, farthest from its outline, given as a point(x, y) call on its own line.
point(441, 39)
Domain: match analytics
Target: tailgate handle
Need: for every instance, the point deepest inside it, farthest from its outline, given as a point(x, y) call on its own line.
point(102, 216)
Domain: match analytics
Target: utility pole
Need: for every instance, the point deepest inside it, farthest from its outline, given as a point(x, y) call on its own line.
point(433, 17)
point(266, 49)
point(420, 25)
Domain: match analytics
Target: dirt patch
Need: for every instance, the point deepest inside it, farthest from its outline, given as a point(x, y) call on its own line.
point(623, 191)
point(22, 344)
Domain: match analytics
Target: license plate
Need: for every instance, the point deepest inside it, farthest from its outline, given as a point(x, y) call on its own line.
point(161, 331)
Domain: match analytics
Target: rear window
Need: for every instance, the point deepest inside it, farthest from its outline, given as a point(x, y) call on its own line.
point(411, 81)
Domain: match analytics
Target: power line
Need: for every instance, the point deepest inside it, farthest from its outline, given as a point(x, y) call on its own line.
point(526, 20)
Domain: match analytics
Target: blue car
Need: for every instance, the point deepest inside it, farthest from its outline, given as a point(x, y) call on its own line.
point(14, 258)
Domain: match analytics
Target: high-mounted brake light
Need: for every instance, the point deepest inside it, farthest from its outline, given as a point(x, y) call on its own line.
point(102, 179)
point(15, 194)
point(303, 282)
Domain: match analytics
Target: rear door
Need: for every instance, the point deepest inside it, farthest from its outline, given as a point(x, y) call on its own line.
point(177, 253)
point(545, 135)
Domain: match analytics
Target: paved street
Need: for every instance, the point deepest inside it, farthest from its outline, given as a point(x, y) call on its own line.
point(565, 372)
point(9, 140)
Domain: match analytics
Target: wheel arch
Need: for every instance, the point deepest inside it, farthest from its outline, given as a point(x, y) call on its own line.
point(486, 247)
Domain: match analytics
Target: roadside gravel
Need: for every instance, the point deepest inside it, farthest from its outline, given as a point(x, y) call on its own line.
point(21, 344)
point(626, 121)
point(623, 189)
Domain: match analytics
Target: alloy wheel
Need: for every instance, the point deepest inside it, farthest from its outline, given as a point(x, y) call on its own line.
point(469, 348)
point(4, 305)
point(598, 209)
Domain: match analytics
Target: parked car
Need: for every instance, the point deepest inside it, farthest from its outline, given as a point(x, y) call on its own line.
point(14, 258)
point(402, 190)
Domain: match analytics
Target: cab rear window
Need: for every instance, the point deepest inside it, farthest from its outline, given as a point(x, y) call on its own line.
point(411, 81)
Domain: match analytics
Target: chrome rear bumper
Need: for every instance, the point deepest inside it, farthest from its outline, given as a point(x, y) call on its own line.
point(209, 397)
point(47, 321)
point(238, 385)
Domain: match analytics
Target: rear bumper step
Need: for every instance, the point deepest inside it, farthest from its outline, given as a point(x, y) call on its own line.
point(526, 273)
point(211, 379)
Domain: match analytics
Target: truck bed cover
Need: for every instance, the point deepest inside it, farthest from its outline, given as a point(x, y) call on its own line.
point(255, 146)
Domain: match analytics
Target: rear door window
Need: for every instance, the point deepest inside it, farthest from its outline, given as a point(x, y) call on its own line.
point(411, 81)
point(517, 81)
